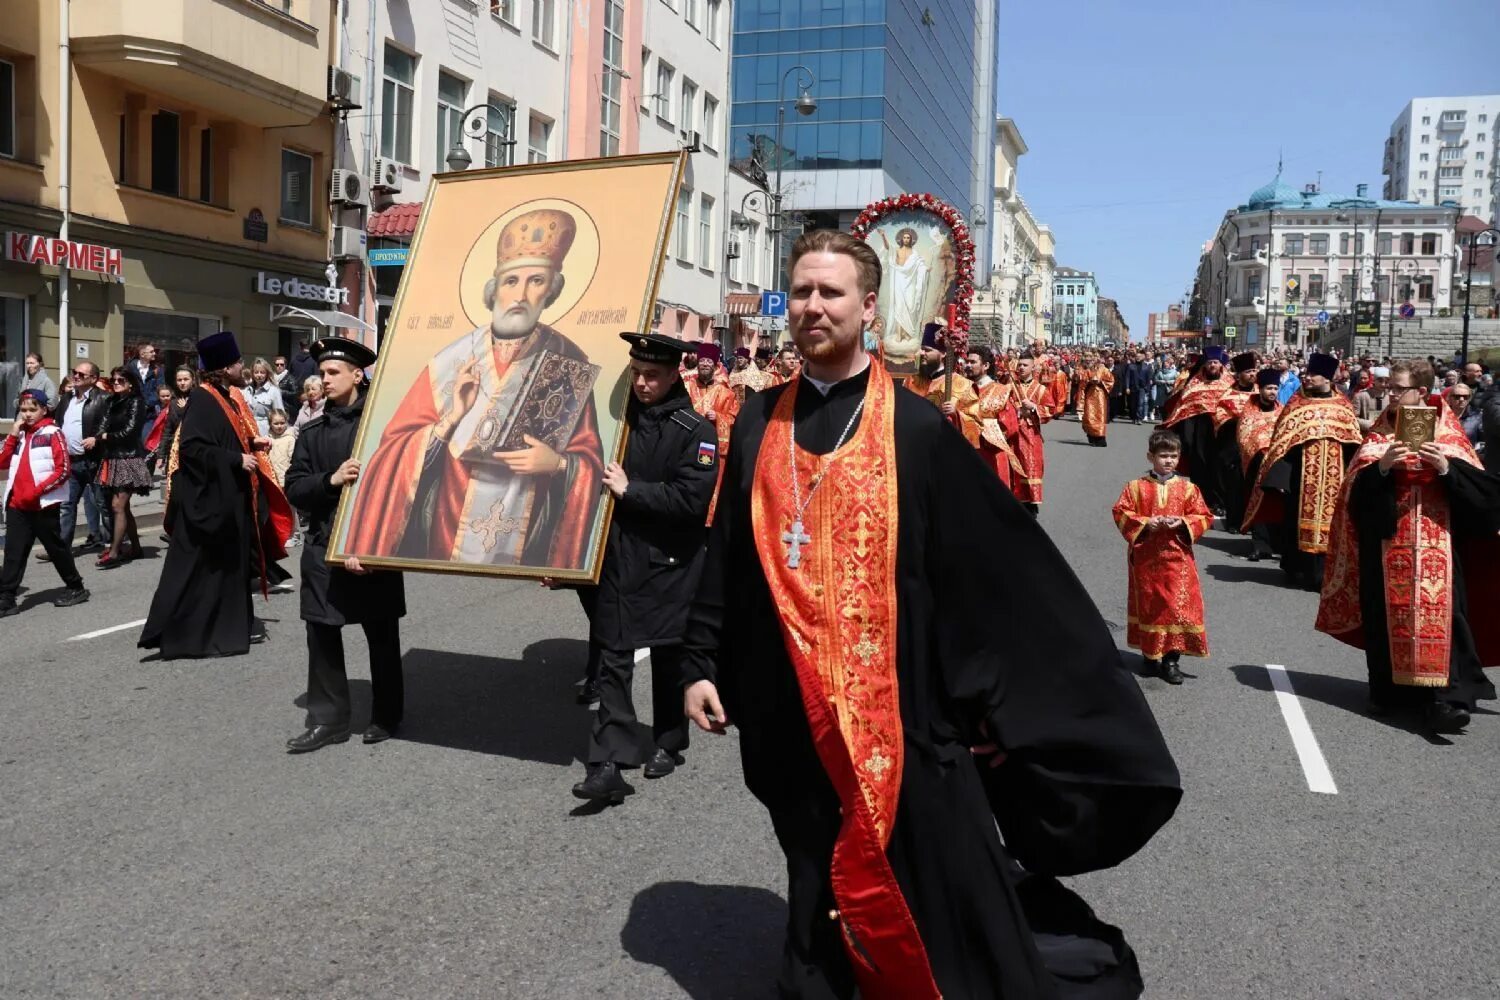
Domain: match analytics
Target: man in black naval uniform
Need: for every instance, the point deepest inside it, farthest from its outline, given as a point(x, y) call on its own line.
point(333, 596)
point(652, 560)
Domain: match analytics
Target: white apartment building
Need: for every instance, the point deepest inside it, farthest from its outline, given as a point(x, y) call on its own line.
point(719, 256)
point(1443, 149)
point(1023, 253)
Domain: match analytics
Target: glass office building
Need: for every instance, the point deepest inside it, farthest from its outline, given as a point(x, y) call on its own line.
point(905, 101)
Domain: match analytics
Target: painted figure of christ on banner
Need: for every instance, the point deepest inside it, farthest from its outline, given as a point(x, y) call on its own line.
point(447, 482)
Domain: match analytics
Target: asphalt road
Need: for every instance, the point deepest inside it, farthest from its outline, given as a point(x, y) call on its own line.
point(155, 840)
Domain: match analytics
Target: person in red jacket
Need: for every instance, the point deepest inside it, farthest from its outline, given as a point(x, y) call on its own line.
point(35, 456)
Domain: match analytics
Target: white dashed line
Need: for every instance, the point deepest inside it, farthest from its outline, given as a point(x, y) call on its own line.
point(1314, 767)
point(105, 631)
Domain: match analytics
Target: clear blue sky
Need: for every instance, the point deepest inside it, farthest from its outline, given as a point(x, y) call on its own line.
point(1148, 119)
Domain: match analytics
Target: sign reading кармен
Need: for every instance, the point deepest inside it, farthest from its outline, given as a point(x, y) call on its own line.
point(295, 288)
point(31, 249)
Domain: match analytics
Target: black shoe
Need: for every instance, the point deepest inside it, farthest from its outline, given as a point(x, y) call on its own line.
point(661, 764)
point(1151, 668)
point(588, 694)
point(258, 633)
point(317, 738)
point(43, 557)
point(1170, 672)
point(376, 733)
point(8, 608)
point(71, 599)
point(1446, 718)
point(1378, 709)
point(603, 783)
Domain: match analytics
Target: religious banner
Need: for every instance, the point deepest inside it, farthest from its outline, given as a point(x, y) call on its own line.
point(499, 395)
point(927, 274)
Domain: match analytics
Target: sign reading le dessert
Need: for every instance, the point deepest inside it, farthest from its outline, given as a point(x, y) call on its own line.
point(499, 393)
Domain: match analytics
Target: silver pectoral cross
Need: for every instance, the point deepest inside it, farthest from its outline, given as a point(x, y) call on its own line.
point(794, 540)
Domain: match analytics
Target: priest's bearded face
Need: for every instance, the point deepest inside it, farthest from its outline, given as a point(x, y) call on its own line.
point(1268, 394)
point(521, 294)
point(932, 360)
point(826, 311)
point(1213, 369)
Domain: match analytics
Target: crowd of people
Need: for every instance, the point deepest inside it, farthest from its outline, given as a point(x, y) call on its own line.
point(793, 541)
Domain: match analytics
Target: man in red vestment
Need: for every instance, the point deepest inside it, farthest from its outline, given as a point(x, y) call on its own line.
point(997, 416)
point(1232, 486)
point(1252, 437)
point(1034, 407)
point(1190, 413)
point(1095, 382)
point(904, 768)
point(425, 495)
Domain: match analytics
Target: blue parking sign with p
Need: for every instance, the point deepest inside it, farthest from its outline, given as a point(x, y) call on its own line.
point(773, 303)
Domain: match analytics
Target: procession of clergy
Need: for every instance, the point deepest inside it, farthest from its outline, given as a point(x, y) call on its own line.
point(1398, 541)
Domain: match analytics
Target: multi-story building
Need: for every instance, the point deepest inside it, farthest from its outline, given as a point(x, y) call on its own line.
point(163, 174)
point(546, 80)
point(1442, 149)
point(1023, 255)
point(1075, 307)
point(901, 101)
point(1307, 257)
point(1112, 325)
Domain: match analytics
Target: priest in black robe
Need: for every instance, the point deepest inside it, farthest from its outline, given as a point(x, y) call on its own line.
point(1191, 417)
point(1437, 667)
point(227, 521)
point(1051, 738)
point(1233, 490)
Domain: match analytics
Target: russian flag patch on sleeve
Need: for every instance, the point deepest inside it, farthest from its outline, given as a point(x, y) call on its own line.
point(707, 453)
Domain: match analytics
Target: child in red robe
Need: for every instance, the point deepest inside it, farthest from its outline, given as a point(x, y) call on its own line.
point(1161, 515)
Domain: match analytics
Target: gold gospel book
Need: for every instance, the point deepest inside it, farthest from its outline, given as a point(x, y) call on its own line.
point(1415, 425)
point(547, 407)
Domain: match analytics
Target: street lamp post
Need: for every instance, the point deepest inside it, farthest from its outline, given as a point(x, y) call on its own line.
point(1491, 233)
point(458, 157)
point(805, 106)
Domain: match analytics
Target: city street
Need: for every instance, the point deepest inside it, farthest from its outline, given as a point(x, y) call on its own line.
point(158, 842)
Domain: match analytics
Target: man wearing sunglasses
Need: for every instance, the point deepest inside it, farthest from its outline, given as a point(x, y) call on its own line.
point(81, 416)
point(1460, 400)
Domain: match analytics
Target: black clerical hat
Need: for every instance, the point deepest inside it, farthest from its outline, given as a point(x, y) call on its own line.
point(1268, 376)
point(218, 351)
point(1215, 353)
point(1325, 365)
point(932, 336)
point(1244, 362)
point(342, 349)
point(655, 348)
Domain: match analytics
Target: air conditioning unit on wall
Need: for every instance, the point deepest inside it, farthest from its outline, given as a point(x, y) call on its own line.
point(348, 243)
point(387, 175)
point(347, 187)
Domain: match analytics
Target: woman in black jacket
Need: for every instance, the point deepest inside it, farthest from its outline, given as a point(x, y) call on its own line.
point(123, 471)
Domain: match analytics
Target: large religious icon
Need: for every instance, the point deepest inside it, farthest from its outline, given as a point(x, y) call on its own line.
point(927, 274)
point(498, 397)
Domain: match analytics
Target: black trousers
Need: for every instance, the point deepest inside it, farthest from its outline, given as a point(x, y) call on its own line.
point(328, 683)
point(24, 528)
point(615, 736)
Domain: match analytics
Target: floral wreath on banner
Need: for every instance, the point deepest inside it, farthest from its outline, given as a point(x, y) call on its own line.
point(963, 250)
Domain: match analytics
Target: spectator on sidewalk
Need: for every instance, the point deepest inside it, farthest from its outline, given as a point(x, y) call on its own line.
point(262, 395)
point(302, 366)
point(35, 457)
point(148, 374)
point(312, 401)
point(37, 378)
point(283, 440)
point(123, 472)
point(81, 416)
point(281, 377)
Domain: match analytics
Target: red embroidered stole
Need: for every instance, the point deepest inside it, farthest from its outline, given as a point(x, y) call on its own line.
point(838, 620)
point(1253, 433)
point(1198, 396)
point(1323, 425)
point(243, 421)
point(1417, 561)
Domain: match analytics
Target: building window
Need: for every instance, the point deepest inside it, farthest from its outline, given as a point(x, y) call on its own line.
point(1426, 119)
point(1253, 286)
point(1317, 245)
point(690, 12)
point(1423, 157)
point(1255, 244)
point(1408, 243)
point(1424, 289)
point(7, 109)
point(609, 87)
point(1446, 172)
point(684, 251)
point(505, 10)
point(710, 122)
point(1426, 139)
point(206, 165)
point(14, 343)
point(396, 99)
point(166, 148)
point(732, 266)
point(453, 92)
point(1451, 153)
point(1429, 245)
point(499, 133)
point(1291, 245)
point(539, 140)
point(1346, 288)
point(296, 187)
point(1384, 246)
point(706, 233)
point(685, 109)
point(1315, 287)
point(751, 255)
point(1422, 175)
point(662, 100)
point(544, 21)
point(711, 26)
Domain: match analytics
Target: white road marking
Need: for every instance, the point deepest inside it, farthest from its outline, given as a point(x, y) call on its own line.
point(641, 655)
point(1314, 767)
point(106, 631)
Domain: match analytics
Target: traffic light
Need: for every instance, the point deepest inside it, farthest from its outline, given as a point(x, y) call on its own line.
point(1291, 328)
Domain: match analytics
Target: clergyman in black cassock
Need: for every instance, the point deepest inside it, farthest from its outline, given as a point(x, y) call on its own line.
point(202, 604)
point(1087, 778)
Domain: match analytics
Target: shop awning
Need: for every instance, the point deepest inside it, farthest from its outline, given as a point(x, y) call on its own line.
point(396, 221)
point(331, 318)
point(742, 303)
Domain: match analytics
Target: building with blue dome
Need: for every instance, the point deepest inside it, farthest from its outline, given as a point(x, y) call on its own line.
point(1287, 264)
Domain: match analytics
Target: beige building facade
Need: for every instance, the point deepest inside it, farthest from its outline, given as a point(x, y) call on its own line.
point(187, 155)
